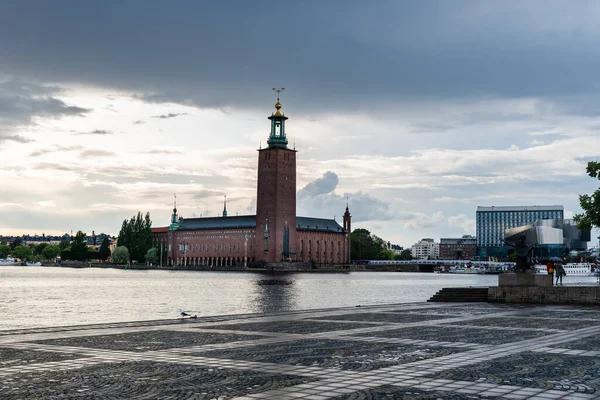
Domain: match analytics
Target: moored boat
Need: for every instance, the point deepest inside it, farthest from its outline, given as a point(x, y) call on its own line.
point(573, 269)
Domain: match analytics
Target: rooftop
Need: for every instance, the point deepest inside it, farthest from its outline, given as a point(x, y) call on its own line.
point(249, 222)
point(520, 208)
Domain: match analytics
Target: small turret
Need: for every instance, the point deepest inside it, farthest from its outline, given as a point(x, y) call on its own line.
point(225, 206)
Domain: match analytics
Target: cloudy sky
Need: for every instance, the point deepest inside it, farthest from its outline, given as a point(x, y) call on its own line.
point(416, 112)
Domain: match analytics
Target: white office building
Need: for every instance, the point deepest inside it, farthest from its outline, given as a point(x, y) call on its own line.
point(425, 249)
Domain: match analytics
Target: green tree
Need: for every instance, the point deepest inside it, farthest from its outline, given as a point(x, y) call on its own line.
point(16, 243)
point(152, 256)
point(64, 244)
point(39, 249)
point(92, 254)
point(120, 255)
point(22, 252)
point(79, 247)
point(385, 254)
point(404, 255)
point(364, 245)
point(4, 250)
point(136, 235)
point(104, 249)
point(590, 204)
point(50, 252)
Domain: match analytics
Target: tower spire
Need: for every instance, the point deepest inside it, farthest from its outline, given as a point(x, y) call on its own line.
point(277, 138)
point(225, 206)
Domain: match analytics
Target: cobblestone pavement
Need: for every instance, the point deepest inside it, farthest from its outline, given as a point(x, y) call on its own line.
point(407, 351)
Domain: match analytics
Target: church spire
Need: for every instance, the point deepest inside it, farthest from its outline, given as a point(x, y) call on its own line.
point(277, 136)
point(174, 215)
point(225, 206)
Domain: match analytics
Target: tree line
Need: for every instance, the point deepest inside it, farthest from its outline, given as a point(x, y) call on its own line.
point(76, 249)
point(366, 246)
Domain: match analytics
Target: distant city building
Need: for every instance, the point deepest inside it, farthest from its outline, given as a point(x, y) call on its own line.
point(464, 248)
point(397, 249)
point(425, 249)
point(556, 238)
point(576, 239)
point(491, 222)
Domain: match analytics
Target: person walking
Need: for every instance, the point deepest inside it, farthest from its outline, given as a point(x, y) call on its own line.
point(560, 272)
point(550, 270)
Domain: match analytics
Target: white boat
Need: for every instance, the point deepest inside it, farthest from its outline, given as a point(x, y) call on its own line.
point(33, 264)
point(7, 261)
point(467, 270)
point(572, 269)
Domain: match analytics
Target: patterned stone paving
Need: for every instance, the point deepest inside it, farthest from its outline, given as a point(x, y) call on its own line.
point(525, 322)
point(544, 371)
point(468, 334)
point(300, 327)
point(137, 380)
point(346, 355)
point(589, 343)
point(13, 357)
point(391, 392)
point(381, 317)
point(148, 341)
point(407, 351)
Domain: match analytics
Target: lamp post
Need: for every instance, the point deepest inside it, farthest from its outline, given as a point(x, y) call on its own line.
point(161, 250)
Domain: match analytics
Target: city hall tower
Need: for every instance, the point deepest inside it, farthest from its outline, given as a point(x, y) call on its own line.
point(276, 194)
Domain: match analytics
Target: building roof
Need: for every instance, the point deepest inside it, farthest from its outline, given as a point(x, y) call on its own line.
point(249, 222)
point(160, 230)
point(520, 208)
point(317, 224)
point(238, 222)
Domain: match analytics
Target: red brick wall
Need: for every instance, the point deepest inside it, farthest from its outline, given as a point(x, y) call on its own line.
point(449, 251)
point(322, 247)
point(224, 247)
point(275, 200)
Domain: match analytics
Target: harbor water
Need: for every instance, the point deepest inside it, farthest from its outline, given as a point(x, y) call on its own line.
point(47, 296)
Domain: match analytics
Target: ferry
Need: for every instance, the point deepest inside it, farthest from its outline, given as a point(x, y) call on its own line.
point(573, 269)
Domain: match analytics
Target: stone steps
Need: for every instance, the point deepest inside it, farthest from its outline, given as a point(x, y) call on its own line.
point(470, 294)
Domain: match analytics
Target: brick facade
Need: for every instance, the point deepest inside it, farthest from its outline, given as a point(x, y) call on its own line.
point(276, 202)
point(274, 234)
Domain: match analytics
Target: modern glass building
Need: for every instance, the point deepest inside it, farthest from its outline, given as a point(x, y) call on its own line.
point(491, 222)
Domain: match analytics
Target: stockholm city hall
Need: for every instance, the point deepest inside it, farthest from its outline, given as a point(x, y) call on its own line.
point(275, 234)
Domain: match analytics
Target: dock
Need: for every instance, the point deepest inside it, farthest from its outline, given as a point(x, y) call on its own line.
point(457, 351)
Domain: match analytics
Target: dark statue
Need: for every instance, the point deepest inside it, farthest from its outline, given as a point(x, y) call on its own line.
point(523, 253)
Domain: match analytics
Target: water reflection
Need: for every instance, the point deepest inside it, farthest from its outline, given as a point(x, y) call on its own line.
point(273, 293)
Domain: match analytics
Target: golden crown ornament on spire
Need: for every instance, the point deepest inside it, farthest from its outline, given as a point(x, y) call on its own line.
point(278, 113)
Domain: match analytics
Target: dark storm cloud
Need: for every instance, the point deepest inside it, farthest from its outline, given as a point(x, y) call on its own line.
point(346, 53)
point(21, 101)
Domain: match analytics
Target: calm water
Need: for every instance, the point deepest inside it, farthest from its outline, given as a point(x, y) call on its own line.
point(41, 296)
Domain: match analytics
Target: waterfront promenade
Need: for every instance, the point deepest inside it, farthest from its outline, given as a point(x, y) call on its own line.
point(403, 351)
